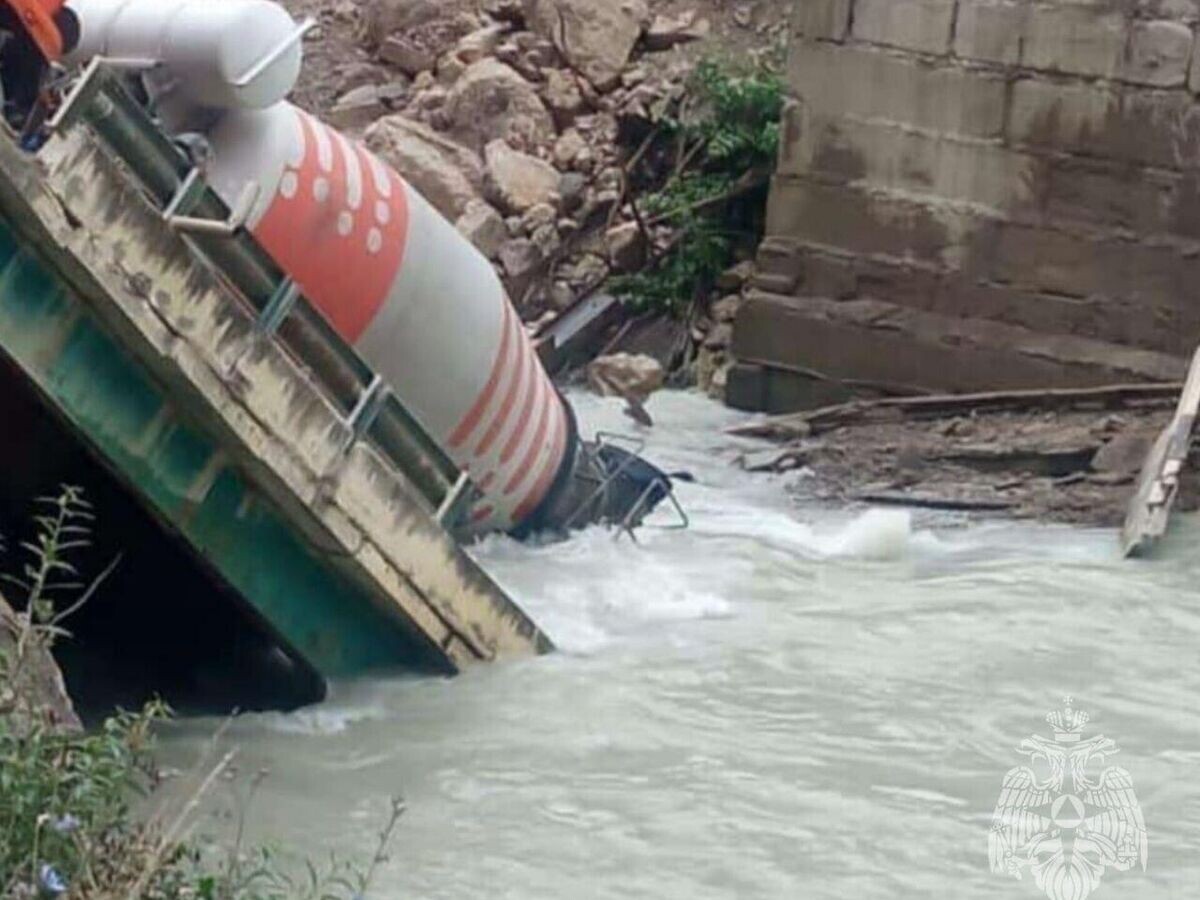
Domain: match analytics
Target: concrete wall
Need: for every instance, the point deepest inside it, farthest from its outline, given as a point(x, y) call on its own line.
point(976, 177)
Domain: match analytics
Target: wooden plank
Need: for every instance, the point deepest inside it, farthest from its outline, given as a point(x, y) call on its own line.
point(930, 501)
point(940, 405)
point(1150, 510)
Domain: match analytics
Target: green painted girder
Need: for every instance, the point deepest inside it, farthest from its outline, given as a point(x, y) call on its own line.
point(177, 471)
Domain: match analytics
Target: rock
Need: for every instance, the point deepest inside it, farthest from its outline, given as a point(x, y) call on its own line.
point(383, 18)
point(432, 98)
point(561, 295)
point(572, 187)
point(626, 246)
point(1124, 454)
point(545, 238)
point(666, 32)
point(568, 147)
point(447, 175)
point(736, 278)
point(720, 337)
point(479, 44)
point(588, 272)
point(719, 383)
point(519, 256)
point(504, 11)
point(483, 227)
point(450, 68)
point(596, 37)
point(406, 56)
point(634, 76)
point(539, 216)
point(356, 74)
point(357, 108)
point(492, 101)
point(517, 181)
point(537, 51)
point(562, 96)
point(37, 692)
point(624, 374)
point(726, 309)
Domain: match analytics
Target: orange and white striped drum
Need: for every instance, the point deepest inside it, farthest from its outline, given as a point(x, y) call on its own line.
point(424, 308)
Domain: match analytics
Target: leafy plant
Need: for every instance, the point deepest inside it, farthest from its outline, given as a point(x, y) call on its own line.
point(725, 140)
point(69, 822)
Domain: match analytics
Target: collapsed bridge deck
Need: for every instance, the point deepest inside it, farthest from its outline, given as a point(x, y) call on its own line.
point(238, 421)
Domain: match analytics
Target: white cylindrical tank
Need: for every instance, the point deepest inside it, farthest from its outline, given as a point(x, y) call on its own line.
point(214, 49)
point(424, 308)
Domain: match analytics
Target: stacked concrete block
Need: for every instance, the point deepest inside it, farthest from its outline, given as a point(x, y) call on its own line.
point(1034, 164)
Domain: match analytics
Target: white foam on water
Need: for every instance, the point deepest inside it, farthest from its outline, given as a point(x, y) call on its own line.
point(878, 534)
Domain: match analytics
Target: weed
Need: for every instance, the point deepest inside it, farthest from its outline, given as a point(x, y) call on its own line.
point(69, 825)
point(725, 139)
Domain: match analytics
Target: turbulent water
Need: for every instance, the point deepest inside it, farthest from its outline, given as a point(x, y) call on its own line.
point(780, 702)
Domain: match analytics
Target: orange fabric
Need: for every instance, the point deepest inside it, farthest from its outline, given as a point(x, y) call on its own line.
point(38, 18)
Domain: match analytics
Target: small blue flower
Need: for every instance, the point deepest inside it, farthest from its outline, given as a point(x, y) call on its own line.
point(65, 824)
point(52, 882)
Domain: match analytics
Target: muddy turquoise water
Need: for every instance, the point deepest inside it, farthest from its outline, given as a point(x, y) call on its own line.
point(784, 701)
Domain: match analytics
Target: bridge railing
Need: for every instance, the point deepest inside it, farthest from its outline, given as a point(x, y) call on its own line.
point(175, 185)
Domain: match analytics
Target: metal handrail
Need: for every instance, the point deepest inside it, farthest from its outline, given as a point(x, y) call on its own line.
point(276, 52)
point(102, 102)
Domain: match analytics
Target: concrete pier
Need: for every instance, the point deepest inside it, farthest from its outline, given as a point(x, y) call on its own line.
point(979, 194)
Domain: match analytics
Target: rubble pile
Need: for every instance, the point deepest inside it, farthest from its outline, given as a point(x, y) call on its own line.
point(518, 120)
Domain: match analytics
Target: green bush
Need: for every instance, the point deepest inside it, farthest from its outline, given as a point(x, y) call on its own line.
point(725, 139)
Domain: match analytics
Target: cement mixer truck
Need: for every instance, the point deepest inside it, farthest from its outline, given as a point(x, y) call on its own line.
point(394, 279)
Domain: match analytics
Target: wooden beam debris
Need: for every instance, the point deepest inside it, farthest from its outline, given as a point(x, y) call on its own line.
point(806, 424)
point(1150, 511)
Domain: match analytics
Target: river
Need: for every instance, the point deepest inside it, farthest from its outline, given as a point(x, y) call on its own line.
point(783, 701)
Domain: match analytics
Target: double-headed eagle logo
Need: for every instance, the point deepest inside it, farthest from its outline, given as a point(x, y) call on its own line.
point(1067, 817)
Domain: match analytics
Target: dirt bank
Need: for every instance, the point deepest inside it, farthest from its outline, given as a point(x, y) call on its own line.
point(1053, 460)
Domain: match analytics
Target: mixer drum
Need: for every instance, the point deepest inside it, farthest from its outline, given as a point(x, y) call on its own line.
point(422, 306)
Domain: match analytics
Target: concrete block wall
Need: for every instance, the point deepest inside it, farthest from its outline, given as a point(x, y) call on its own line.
point(1035, 164)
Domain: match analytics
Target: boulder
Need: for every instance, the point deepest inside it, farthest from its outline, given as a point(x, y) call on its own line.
point(483, 227)
point(519, 260)
point(568, 147)
point(720, 337)
point(406, 55)
point(666, 32)
point(626, 246)
point(596, 37)
point(504, 11)
point(479, 44)
point(625, 375)
point(357, 108)
point(539, 216)
point(726, 309)
point(573, 188)
point(447, 175)
point(1124, 454)
point(736, 278)
point(383, 18)
point(516, 181)
point(563, 96)
point(492, 101)
point(546, 239)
